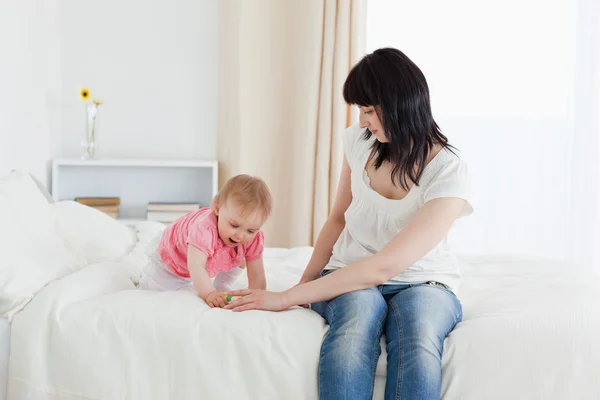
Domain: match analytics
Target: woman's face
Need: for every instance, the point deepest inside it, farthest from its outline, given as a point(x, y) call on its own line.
point(369, 120)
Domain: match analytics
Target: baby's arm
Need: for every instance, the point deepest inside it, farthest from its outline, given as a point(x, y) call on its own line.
point(196, 260)
point(256, 274)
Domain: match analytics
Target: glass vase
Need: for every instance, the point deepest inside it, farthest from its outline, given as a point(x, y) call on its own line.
point(89, 140)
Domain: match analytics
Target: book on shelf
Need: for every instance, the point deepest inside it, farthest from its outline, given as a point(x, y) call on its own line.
point(111, 211)
point(107, 205)
point(99, 201)
point(173, 207)
point(106, 209)
point(113, 214)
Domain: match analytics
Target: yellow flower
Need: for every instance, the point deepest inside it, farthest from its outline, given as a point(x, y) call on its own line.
point(84, 93)
point(97, 101)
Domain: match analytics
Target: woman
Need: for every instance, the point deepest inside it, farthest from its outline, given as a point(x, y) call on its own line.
point(381, 258)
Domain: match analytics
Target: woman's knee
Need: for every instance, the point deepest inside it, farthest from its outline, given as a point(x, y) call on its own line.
point(423, 315)
point(354, 311)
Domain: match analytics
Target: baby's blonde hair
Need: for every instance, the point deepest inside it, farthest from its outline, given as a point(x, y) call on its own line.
point(248, 192)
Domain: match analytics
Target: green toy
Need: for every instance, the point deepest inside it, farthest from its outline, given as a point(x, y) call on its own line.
point(231, 298)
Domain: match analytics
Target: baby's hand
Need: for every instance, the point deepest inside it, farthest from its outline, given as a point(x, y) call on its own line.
point(216, 299)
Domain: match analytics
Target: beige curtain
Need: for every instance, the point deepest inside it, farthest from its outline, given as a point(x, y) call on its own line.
point(281, 110)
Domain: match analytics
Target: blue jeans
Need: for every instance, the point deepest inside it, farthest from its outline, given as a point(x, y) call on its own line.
point(415, 318)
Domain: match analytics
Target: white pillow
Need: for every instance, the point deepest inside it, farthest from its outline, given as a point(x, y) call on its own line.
point(32, 254)
point(100, 237)
point(42, 189)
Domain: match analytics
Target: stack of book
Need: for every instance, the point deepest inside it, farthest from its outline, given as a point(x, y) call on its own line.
point(108, 205)
point(169, 212)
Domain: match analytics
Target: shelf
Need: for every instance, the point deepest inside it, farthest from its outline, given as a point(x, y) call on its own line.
point(136, 182)
point(115, 162)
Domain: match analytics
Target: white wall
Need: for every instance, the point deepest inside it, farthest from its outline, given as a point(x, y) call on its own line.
point(29, 85)
point(153, 63)
point(502, 76)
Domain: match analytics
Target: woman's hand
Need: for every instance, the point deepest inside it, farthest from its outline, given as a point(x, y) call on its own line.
point(257, 299)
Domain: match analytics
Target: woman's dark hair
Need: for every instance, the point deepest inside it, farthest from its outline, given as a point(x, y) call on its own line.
point(390, 82)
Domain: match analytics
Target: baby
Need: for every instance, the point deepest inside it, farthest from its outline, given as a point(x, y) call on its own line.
point(216, 242)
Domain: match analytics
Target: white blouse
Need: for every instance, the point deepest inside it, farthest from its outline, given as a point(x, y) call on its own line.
point(372, 220)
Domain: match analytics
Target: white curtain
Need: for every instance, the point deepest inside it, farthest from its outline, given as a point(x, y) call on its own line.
point(584, 235)
point(514, 86)
point(281, 110)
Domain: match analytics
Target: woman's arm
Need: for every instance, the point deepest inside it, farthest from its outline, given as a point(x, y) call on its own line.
point(421, 235)
point(331, 229)
point(256, 274)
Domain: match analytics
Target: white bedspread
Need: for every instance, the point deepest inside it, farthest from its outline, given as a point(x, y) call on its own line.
point(530, 331)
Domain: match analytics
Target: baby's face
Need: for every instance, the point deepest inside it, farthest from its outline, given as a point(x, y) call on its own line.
point(236, 227)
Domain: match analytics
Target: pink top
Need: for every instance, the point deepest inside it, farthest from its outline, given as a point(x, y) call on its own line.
point(199, 228)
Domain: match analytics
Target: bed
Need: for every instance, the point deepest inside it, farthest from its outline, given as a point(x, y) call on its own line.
point(80, 330)
point(529, 331)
